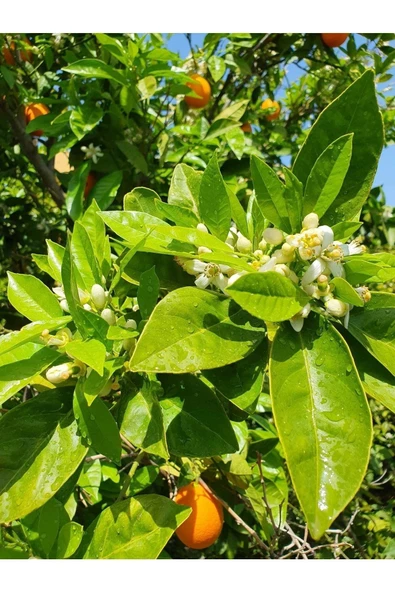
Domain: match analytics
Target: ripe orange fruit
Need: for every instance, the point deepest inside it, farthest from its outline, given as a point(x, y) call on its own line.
point(202, 88)
point(9, 53)
point(246, 128)
point(267, 103)
point(35, 110)
point(90, 183)
point(334, 39)
point(203, 527)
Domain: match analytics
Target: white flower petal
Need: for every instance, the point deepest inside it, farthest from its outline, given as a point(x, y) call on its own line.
point(202, 281)
point(336, 268)
point(269, 266)
point(220, 281)
point(297, 324)
point(327, 236)
point(312, 273)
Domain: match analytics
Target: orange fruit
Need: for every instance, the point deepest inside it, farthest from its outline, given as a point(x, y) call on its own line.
point(90, 183)
point(9, 53)
point(202, 88)
point(35, 110)
point(203, 526)
point(334, 39)
point(267, 103)
point(246, 128)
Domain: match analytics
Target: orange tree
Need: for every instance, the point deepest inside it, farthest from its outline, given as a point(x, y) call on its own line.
point(144, 368)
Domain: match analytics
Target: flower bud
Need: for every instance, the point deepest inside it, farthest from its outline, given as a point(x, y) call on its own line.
point(364, 293)
point(83, 296)
point(87, 307)
point(243, 244)
point(336, 307)
point(273, 236)
point(258, 253)
point(58, 374)
point(322, 282)
point(202, 250)
point(130, 324)
point(135, 308)
point(311, 221)
point(64, 306)
point(232, 237)
point(61, 338)
point(202, 227)
point(98, 296)
point(59, 292)
point(108, 315)
point(262, 245)
point(129, 345)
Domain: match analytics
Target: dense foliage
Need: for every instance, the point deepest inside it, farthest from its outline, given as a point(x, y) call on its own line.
point(218, 322)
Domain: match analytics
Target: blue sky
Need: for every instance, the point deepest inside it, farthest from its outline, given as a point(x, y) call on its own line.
point(386, 171)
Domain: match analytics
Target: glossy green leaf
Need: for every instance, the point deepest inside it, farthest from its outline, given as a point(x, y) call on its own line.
point(238, 213)
point(196, 423)
point(361, 271)
point(70, 537)
point(143, 478)
point(20, 365)
point(32, 298)
point(147, 87)
point(75, 191)
point(327, 176)
point(343, 230)
point(217, 67)
point(268, 296)
point(96, 424)
point(344, 291)
point(134, 155)
point(148, 292)
point(236, 140)
point(84, 257)
point(96, 230)
point(322, 417)
point(374, 327)
point(105, 190)
point(30, 332)
point(192, 329)
point(92, 68)
point(55, 258)
point(113, 46)
point(239, 385)
point(235, 111)
point(91, 352)
point(142, 420)
point(142, 199)
point(184, 188)
point(170, 274)
point(354, 111)
point(180, 216)
point(293, 197)
point(41, 527)
point(214, 206)
point(137, 528)
point(269, 191)
point(39, 451)
point(42, 263)
point(85, 119)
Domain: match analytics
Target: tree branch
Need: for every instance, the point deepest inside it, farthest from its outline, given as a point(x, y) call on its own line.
point(29, 149)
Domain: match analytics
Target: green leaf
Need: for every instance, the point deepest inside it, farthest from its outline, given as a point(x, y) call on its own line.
point(113, 46)
point(20, 365)
point(327, 176)
point(41, 527)
point(85, 119)
point(92, 353)
point(142, 421)
point(238, 213)
point(180, 216)
point(354, 111)
point(217, 67)
point(142, 199)
point(70, 537)
point(214, 203)
point(344, 291)
point(192, 329)
point(84, 257)
point(219, 128)
point(105, 190)
point(29, 332)
point(185, 187)
point(96, 424)
point(322, 417)
point(234, 111)
point(170, 274)
point(148, 292)
point(196, 423)
point(134, 156)
point(96, 230)
point(147, 87)
point(360, 270)
point(268, 296)
point(236, 141)
point(269, 193)
point(40, 450)
point(374, 327)
point(239, 385)
point(143, 478)
point(377, 381)
point(32, 298)
point(344, 230)
point(293, 197)
point(75, 192)
point(55, 258)
point(92, 68)
point(137, 528)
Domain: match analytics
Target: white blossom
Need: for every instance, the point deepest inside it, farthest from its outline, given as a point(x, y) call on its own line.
point(93, 152)
point(273, 236)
